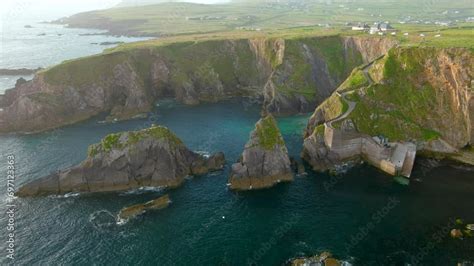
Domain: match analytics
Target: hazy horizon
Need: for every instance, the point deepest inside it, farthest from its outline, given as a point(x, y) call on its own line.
point(52, 9)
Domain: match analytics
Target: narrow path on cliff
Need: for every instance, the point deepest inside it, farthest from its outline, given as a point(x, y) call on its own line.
point(351, 104)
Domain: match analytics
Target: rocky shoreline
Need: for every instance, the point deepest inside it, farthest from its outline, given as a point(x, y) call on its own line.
point(139, 209)
point(18, 72)
point(152, 157)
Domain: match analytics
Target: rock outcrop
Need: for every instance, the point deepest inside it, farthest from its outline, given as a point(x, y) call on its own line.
point(265, 161)
point(139, 209)
point(416, 95)
point(289, 75)
point(151, 157)
point(325, 258)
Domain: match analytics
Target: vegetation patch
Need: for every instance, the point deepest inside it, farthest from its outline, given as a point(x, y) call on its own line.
point(355, 81)
point(399, 108)
point(113, 141)
point(156, 132)
point(85, 70)
point(268, 133)
point(319, 130)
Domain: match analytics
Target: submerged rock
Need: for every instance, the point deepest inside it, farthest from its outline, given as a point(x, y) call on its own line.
point(456, 233)
point(325, 258)
point(139, 209)
point(265, 161)
point(152, 157)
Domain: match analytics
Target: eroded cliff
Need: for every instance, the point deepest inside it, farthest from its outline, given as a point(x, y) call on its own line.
point(418, 95)
point(288, 75)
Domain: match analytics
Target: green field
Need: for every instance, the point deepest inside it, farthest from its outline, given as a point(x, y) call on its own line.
point(269, 16)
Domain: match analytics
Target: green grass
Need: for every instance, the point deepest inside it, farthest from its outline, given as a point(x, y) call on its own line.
point(77, 72)
point(319, 130)
point(113, 141)
point(456, 36)
point(247, 16)
point(268, 133)
point(156, 132)
point(355, 81)
point(329, 49)
point(406, 104)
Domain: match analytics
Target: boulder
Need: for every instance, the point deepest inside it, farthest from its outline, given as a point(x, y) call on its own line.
point(139, 209)
point(324, 258)
point(152, 157)
point(265, 161)
point(456, 233)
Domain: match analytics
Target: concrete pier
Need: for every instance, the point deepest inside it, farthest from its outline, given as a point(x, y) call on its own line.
point(395, 158)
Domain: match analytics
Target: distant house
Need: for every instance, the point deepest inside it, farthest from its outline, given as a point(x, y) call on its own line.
point(374, 29)
point(361, 27)
point(381, 28)
point(386, 27)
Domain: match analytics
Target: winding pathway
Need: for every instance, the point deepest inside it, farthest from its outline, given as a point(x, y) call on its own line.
point(351, 104)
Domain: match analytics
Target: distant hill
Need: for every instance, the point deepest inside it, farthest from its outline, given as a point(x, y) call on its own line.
point(126, 3)
point(160, 17)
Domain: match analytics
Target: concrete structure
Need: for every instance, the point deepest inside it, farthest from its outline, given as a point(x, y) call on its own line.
point(344, 143)
point(381, 28)
point(392, 158)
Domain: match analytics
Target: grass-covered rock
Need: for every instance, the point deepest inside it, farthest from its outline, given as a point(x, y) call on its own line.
point(150, 157)
point(265, 161)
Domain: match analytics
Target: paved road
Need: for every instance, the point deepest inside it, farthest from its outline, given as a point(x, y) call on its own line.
point(351, 104)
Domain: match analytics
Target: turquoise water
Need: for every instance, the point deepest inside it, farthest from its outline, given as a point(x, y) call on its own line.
point(208, 225)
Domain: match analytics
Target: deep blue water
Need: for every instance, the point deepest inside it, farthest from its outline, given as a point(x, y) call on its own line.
point(208, 225)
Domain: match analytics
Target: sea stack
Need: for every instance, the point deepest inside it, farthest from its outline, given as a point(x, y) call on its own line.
point(152, 157)
point(265, 161)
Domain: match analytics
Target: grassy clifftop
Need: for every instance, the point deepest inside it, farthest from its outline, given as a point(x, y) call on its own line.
point(420, 94)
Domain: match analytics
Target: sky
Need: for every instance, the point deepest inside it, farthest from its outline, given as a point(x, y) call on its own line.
point(53, 9)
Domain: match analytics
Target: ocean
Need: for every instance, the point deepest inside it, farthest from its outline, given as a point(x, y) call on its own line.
point(363, 216)
point(44, 45)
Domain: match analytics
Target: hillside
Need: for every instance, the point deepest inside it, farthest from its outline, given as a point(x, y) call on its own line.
point(237, 16)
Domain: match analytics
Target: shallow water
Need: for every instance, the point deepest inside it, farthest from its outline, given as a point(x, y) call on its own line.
point(208, 225)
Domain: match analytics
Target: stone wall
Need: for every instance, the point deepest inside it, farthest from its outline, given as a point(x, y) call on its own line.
point(393, 158)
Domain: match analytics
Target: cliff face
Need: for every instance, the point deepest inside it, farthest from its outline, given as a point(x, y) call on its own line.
point(424, 94)
point(151, 157)
point(265, 160)
point(290, 76)
point(418, 95)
